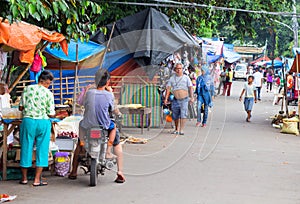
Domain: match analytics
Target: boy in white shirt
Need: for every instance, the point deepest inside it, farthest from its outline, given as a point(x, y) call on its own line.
point(258, 81)
point(250, 96)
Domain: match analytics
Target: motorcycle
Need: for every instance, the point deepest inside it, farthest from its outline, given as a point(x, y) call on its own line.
point(93, 160)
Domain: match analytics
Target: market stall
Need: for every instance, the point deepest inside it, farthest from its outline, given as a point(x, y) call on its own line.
point(26, 40)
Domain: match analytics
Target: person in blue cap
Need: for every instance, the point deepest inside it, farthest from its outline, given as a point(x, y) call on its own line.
point(203, 96)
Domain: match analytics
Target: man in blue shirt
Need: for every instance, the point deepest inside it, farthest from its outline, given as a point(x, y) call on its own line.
point(98, 103)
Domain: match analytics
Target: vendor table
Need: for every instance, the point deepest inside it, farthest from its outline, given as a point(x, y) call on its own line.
point(140, 111)
point(6, 132)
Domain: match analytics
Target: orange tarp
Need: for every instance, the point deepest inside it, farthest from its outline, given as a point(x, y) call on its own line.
point(25, 37)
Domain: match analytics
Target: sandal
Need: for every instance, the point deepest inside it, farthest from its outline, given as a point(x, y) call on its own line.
point(175, 132)
point(23, 182)
point(181, 133)
point(72, 177)
point(120, 179)
point(42, 183)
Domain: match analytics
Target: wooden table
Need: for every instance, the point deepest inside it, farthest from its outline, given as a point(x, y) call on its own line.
point(139, 111)
point(6, 132)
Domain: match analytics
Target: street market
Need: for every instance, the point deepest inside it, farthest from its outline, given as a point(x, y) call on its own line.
point(144, 97)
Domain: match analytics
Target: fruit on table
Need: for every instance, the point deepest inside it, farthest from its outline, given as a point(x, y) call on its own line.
point(4, 196)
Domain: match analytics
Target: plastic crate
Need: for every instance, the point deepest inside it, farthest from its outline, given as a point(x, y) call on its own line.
point(65, 144)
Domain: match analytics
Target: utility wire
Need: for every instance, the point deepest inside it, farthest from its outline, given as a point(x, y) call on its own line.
point(173, 4)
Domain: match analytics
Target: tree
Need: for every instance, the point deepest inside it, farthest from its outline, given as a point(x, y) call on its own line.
point(77, 18)
point(72, 18)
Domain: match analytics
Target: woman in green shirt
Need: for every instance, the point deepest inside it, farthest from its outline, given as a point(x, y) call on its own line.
point(37, 105)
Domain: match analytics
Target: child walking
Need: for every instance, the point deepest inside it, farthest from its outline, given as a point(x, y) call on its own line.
point(250, 96)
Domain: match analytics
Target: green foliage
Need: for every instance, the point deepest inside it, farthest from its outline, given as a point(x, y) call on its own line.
point(72, 18)
point(77, 19)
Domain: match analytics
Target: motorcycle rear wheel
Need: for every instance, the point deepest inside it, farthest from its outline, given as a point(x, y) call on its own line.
point(94, 172)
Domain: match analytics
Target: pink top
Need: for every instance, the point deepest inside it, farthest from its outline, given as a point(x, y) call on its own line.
point(269, 77)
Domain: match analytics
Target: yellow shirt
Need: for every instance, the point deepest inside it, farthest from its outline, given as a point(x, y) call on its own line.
point(230, 75)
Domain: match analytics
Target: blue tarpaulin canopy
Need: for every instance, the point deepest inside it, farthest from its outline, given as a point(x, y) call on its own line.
point(90, 55)
point(211, 58)
point(230, 56)
point(113, 60)
point(277, 63)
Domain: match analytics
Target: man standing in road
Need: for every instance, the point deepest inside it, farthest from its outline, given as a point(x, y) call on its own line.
point(182, 89)
point(258, 81)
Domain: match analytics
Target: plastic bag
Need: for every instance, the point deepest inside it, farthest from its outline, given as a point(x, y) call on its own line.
point(290, 126)
point(36, 64)
point(44, 62)
point(80, 98)
point(62, 163)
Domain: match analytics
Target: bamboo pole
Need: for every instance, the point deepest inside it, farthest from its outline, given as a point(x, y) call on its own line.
point(19, 78)
point(75, 81)
point(108, 43)
point(60, 84)
point(11, 87)
point(285, 95)
point(297, 78)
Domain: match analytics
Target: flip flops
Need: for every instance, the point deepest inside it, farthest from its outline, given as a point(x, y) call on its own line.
point(42, 183)
point(23, 182)
point(120, 179)
point(72, 177)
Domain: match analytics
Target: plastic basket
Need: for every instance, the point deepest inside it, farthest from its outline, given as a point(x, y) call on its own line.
point(65, 144)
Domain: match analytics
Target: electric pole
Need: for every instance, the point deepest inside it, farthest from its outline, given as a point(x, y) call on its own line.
point(295, 24)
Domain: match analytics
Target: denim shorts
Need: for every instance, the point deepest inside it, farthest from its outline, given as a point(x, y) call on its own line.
point(180, 108)
point(111, 127)
point(248, 103)
point(117, 138)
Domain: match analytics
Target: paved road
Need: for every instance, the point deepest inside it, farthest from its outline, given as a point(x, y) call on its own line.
point(229, 162)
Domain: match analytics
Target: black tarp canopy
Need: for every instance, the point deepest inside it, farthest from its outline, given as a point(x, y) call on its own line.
point(149, 36)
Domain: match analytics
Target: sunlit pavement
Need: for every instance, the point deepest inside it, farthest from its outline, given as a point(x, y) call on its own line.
point(230, 161)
